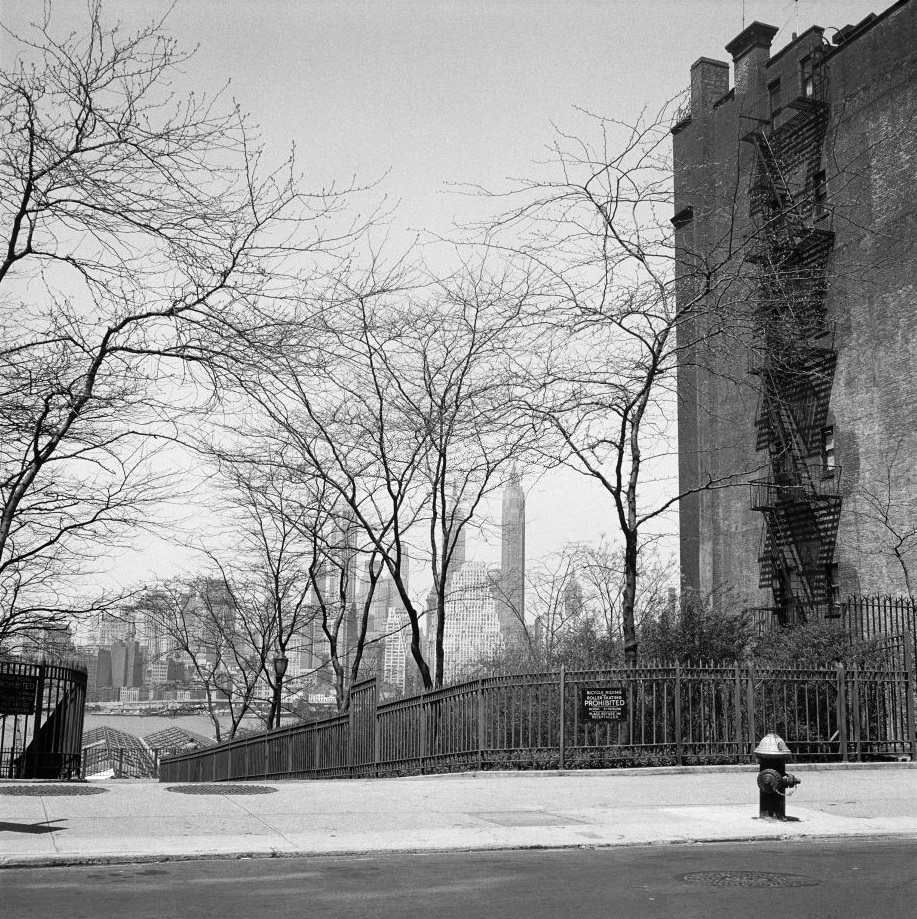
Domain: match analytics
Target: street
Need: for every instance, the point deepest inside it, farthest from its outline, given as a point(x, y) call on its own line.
point(822, 879)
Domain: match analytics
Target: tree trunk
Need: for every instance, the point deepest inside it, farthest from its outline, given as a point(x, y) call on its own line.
point(629, 599)
point(440, 638)
point(416, 653)
point(213, 716)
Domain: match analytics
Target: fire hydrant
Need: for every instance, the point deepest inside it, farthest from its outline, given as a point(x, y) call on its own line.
point(773, 779)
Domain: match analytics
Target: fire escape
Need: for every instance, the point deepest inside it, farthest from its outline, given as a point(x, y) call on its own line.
point(794, 358)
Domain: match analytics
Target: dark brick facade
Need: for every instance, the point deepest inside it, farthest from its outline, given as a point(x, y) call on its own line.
point(840, 115)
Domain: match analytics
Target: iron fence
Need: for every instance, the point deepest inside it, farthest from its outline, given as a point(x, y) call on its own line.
point(668, 714)
point(863, 617)
point(41, 719)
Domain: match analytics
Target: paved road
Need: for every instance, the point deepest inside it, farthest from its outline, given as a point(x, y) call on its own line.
point(814, 878)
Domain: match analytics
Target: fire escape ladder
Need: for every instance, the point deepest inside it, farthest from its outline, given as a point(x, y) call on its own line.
point(791, 439)
point(784, 537)
point(795, 359)
point(786, 211)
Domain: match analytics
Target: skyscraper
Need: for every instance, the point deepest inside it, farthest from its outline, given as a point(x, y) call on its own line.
point(472, 627)
point(511, 588)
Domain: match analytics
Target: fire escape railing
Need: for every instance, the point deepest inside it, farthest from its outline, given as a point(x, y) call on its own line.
point(794, 359)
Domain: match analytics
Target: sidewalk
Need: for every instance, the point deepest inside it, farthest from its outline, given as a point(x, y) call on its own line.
point(134, 821)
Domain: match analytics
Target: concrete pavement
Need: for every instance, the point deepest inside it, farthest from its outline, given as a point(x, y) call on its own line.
point(112, 822)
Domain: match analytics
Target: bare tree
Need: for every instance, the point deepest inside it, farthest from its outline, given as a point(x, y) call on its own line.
point(600, 574)
point(462, 397)
point(886, 502)
point(556, 602)
point(271, 557)
point(295, 536)
point(136, 226)
point(577, 595)
point(603, 381)
point(222, 630)
point(401, 405)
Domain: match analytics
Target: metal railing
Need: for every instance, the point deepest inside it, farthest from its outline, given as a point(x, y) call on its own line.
point(821, 482)
point(669, 714)
point(41, 719)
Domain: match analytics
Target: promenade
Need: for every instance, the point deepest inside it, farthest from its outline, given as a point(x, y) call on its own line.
point(115, 821)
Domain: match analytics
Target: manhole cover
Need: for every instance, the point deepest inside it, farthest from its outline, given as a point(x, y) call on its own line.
point(36, 791)
point(221, 789)
point(747, 879)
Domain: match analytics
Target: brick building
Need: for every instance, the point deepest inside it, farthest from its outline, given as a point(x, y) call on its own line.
point(799, 185)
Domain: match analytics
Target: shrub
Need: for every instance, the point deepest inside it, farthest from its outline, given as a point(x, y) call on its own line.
point(816, 644)
point(701, 629)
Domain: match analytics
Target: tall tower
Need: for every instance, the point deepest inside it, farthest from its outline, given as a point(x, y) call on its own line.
point(511, 595)
point(473, 629)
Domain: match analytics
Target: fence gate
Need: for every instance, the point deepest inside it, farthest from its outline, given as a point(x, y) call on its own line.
point(41, 720)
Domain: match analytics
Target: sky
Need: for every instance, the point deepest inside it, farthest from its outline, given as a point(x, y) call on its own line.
point(425, 95)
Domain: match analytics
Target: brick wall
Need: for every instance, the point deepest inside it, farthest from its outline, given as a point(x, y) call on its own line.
point(871, 167)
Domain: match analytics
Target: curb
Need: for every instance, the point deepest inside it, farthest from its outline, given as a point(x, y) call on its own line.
point(64, 861)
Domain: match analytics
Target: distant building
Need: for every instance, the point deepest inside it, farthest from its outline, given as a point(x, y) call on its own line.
point(472, 624)
point(150, 628)
point(111, 626)
point(510, 589)
point(101, 675)
point(397, 649)
point(573, 603)
point(126, 664)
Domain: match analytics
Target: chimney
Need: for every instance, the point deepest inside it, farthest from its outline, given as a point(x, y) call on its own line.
point(751, 50)
point(709, 83)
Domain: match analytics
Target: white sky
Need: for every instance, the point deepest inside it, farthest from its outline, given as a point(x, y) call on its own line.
point(432, 92)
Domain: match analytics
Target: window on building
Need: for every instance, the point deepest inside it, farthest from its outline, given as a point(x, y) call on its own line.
point(831, 585)
point(827, 450)
point(807, 80)
point(773, 90)
point(819, 194)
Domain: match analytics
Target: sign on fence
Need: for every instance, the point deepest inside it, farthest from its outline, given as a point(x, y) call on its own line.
point(604, 703)
point(17, 694)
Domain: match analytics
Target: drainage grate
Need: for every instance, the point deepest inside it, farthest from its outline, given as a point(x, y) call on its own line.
point(41, 791)
point(221, 789)
point(747, 879)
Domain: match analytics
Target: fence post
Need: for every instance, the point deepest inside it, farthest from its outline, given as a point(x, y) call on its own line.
point(910, 688)
point(351, 724)
point(842, 710)
point(740, 751)
point(855, 714)
point(480, 705)
point(377, 739)
point(679, 749)
point(423, 732)
point(562, 710)
point(750, 704)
